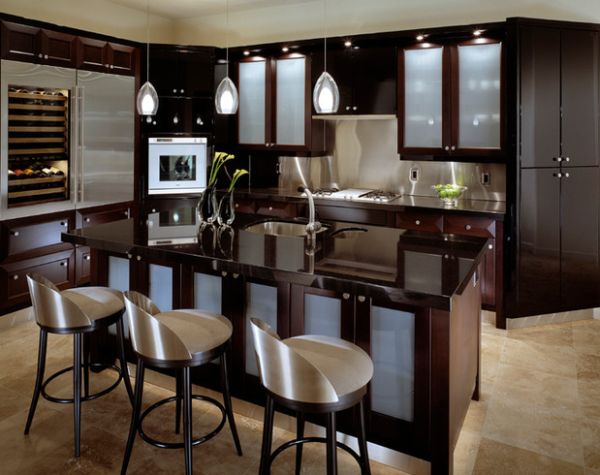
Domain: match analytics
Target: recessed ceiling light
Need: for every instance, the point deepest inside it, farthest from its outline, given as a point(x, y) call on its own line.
point(285, 49)
point(420, 37)
point(477, 33)
point(246, 53)
point(347, 43)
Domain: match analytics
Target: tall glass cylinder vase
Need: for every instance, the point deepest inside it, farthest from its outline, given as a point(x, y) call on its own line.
point(207, 207)
point(226, 214)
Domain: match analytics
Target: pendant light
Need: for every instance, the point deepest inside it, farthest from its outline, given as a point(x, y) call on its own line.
point(226, 97)
point(326, 95)
point(147, 98)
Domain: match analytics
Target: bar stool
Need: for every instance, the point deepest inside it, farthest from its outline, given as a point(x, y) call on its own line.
point(76, 312)
point(180, 340)
point(311, 374)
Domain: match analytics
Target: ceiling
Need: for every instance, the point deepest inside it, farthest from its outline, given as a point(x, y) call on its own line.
point(203, 22)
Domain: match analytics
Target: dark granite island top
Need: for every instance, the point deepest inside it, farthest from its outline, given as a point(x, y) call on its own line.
point(410, 299)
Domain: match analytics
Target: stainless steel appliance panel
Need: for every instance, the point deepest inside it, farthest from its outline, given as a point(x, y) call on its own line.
point(105, 138)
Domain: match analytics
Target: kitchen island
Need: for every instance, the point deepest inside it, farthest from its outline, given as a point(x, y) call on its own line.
point(411, 299)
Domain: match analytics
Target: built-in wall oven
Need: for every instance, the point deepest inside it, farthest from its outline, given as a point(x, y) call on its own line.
point(176, 165)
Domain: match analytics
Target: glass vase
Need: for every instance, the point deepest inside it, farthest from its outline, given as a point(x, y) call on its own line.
point(226, 214)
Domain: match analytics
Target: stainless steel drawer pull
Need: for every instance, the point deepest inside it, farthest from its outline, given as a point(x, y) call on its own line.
point(129, 256)
point(557, 175)
point(64, 224)
point(557, 159)
point(40, 55)
point(15, 233)
point(270, 208)
point(15, 277)
point(345, 296)
point(468, 227)
point(418, 222)
point(63, 264)
point(490, 246)
point(361, 298)
point(87, 220)
point(567, 159)
point(45, 56)
point(139, 258)
point(87, 257)
point(566, 175)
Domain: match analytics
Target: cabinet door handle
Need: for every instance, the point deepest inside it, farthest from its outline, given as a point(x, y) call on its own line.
point(126, 213)
point(418, 222)
point(361, 298)
point(14, 233)
point(557, 159)
point(270, 208)
point(468, 227)
point(567, 159)
point(347, 108)
point(557, 175)
point(566, 175)
point(453, 148)
point(45, 56)
point(345, 296)
point(64, 224)
point(40, 55)
point(237, 205)
point(447, 148)
point(112, 66)
point(181, 91)
point(224, 273)
point(129, 256)
point(174, 91)
point(138, 258)
point(490, 246)
point(106, 66)
point(15, 277)
point(175, 119)
point(87, 257)
point(354, 108)
point(63, 264)
point(87, 220)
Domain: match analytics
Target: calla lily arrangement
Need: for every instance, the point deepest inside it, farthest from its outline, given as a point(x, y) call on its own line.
point(218, 161)
point(236, 176)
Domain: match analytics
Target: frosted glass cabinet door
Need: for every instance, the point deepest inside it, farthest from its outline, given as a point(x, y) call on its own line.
point(290, 100)
point(423, 98)
point(479, 95)
point(252, 91)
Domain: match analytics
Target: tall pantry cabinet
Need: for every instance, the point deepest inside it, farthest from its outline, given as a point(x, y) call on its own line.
point(557, 265)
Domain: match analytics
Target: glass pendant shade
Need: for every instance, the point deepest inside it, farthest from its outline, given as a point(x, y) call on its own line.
point(226, 98)
point(147, 100)
point(326, 95)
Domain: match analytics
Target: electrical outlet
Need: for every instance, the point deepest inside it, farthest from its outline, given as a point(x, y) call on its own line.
point(485, 178)
point(414, 174)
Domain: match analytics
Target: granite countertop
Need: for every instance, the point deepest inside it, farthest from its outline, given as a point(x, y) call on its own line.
point(494, 209)
point(398, 265)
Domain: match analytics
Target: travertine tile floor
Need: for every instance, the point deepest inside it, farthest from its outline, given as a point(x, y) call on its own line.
point(539, 414)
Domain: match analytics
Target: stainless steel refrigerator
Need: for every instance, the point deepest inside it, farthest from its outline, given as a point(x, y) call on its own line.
point(68, 129)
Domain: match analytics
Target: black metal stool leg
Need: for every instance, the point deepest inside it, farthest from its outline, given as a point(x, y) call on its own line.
point(265, 453)
point(123, 359)
point(362, 440)
point(39, 378)
point(86, 364)
point(187, 420)
point(179, 396)
point(331, 445)
point(228, 405)
point(135, 415)
point(77, 390)
point(299, 435)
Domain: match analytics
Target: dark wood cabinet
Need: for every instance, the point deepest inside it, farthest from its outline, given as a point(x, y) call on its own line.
point(106, 57)
point(37, 45)
point(451, 99)
point(182, 71)
point(559, 99)
point(420, 221)
point(366, 78)
point(181, 115)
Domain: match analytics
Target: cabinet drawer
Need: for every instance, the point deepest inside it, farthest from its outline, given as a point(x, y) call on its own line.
point(24, 238)
point(352, 215)
point(281, 210)
point(101, 217)
point(470, 226)
point(245, 206)
point(58, 267)
point(83, 259)
point(432, 222)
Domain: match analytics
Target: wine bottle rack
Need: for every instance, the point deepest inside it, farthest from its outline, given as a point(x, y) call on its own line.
point(38, 138)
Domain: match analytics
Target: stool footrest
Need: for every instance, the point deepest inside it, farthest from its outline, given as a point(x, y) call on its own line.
point(304, 440)
point(178, 445)
point(90, 397)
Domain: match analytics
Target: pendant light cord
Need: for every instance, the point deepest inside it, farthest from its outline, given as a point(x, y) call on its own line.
point(147, 40)
point(324, 35)
point(227, 38)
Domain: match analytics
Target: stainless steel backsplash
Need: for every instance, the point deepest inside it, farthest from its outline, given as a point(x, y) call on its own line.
point(365, 156)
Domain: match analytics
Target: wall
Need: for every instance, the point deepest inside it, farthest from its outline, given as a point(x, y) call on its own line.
point(99, 16)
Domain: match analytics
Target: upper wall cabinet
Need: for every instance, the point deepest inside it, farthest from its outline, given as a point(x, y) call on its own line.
point(274, 111)
point(182, 71)
point(559, 100)
point(366, 78)
point(105, 57)
point(37, 45)
point(450, 99)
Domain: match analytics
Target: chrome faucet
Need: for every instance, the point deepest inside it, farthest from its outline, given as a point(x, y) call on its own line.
point(313, 225)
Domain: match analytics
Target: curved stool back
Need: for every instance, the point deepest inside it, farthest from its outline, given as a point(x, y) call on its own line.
point(285, 373)
point(52, 310)
point(149, 337)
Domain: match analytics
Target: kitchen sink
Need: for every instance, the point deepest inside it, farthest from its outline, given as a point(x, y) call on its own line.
point(281, 228)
